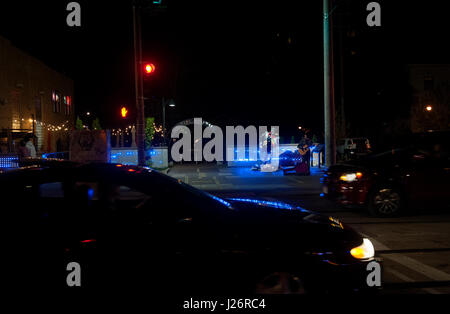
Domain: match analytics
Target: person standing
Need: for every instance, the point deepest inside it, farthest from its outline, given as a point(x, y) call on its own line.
point(30, 147)
point(305, 152)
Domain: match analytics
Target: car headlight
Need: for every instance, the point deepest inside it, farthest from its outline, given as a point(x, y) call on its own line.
point(350, 177)
point(364, 251)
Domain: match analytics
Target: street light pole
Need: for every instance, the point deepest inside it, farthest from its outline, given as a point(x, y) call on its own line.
point(164, 119)
point(140, 120)
point(32, 121)
point(329, 106)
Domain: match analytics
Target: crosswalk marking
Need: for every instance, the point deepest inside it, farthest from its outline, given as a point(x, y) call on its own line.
point(410, 263)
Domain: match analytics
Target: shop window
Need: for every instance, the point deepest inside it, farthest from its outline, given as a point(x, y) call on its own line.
point(56, 101)
point(67, 104)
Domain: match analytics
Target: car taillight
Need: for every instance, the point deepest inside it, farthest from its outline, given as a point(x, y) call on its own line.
point(88, 241)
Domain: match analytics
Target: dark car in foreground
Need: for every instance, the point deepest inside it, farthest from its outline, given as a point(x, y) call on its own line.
point(413, 175)
point(129, 227)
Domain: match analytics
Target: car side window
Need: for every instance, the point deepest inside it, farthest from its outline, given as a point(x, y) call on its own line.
point(46, 201)
point(125, 199)
point(130, 197)
point(51, 190)
point(103, 201)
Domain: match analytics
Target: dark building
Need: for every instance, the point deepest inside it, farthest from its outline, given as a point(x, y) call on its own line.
point(431, 96)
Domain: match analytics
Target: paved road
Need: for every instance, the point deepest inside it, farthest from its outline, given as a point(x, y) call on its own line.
point(415, 248)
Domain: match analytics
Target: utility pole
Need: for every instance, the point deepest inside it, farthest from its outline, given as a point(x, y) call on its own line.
point(34, 130)
point(328, 87)
point(341, 81)
point(140, 120)
point(164, 119)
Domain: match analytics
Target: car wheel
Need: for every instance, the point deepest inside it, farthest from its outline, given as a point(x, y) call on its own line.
point(280, 283)
point(385, 202)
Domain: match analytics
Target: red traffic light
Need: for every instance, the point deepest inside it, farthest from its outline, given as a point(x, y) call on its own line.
point(149, 68)
point(124, 112)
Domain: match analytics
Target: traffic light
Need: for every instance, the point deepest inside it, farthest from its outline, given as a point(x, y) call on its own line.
point(149, 68)
point(124, 112)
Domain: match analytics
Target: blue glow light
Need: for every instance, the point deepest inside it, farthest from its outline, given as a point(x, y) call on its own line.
point(247, 153)
point(224, 202)
point(279, 205)
point(91, 194)
point(322, 253)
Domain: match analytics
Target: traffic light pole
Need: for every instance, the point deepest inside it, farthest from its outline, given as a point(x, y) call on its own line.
point(164, 119)
point(328, 87)
point(140, 119)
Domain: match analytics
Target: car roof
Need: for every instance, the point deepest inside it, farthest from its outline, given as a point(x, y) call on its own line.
point(34, 164)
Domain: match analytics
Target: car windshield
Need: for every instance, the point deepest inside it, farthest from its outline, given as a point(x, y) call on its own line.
point(202, 194)
point(166, 188)
point(360, 144)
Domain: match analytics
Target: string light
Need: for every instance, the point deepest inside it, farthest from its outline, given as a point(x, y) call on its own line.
point(55, 128)
point(129, 129)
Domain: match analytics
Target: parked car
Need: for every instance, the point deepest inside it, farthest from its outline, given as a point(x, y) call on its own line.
point(416, 175)
point(129, 226)
point(350, 148)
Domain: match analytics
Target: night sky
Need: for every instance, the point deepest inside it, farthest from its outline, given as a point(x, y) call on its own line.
point(231, 62)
